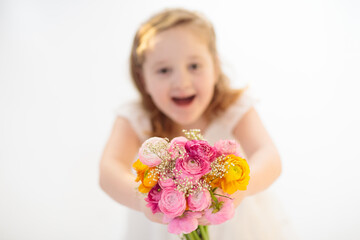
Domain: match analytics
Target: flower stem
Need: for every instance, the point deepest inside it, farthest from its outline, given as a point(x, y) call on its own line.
point(213, 196)
point(195, 235)
point(222, 196)
point(187, 236)
point(204, 233)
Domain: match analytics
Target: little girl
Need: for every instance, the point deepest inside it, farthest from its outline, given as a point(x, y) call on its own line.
point(175, 66)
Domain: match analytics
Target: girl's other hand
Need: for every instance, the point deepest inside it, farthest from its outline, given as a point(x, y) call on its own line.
point(157, 217)
point(238, 197)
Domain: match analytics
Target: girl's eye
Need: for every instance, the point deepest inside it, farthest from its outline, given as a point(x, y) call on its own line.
point(194, 66)
point(164, 70)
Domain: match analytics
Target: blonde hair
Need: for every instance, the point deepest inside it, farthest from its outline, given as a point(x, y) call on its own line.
point(223, 97)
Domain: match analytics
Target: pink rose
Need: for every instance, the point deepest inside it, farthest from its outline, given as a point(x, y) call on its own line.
point(172, 202)
point(199, 201)
point(151, 151)
point(192, 169)
point(166, 183)
point(227, 147)
point(184, 224)
point(153, 198)
point(225, 213)
point(176, 145)
point(199, 149)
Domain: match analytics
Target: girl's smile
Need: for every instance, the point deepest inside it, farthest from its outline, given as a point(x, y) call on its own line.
point(183, 101)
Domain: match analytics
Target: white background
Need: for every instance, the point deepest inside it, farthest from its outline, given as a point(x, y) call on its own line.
point(63, 71)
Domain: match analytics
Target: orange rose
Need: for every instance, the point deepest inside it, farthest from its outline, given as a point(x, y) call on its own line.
point(146, 175)
point(236, 176)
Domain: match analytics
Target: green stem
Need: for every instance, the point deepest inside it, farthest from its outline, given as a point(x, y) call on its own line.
point(222, 196)
point(195, 235)
point(204, 233)
point(213, 196)
point(187, 237)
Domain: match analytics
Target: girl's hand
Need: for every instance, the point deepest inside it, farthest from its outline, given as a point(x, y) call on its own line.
point(157, 217)
point(238, 197)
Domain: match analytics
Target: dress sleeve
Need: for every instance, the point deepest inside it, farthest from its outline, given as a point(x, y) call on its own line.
point(236, 111)
point(137, 117)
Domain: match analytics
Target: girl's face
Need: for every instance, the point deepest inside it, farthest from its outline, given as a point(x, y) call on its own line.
point(179, 75)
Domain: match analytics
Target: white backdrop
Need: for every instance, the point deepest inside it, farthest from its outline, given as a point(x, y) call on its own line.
point(63, 71)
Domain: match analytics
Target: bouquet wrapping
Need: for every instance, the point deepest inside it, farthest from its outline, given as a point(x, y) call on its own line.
point(189, 180)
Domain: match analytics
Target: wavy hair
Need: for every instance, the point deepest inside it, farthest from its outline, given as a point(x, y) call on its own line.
point(223, 97)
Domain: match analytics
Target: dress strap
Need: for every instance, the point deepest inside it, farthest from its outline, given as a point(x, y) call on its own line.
point(236, 111)
point(222, 127)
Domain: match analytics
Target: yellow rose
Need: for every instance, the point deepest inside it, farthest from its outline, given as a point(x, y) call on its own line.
point(236, 176)
point(146, 175)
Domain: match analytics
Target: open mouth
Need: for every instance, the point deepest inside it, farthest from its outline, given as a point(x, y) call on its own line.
point(183, 101)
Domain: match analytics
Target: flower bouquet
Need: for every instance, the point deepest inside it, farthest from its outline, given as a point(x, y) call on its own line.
point(188, 180)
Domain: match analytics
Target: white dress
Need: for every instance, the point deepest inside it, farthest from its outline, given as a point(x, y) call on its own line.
point(258, 217)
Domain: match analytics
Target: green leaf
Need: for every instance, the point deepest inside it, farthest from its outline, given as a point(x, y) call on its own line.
point(146, 173)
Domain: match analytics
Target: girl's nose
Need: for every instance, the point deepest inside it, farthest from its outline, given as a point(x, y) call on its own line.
point(182, 79)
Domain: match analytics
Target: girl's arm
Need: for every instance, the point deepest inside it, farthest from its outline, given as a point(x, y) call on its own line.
point(115, 174)
point(262, 154)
